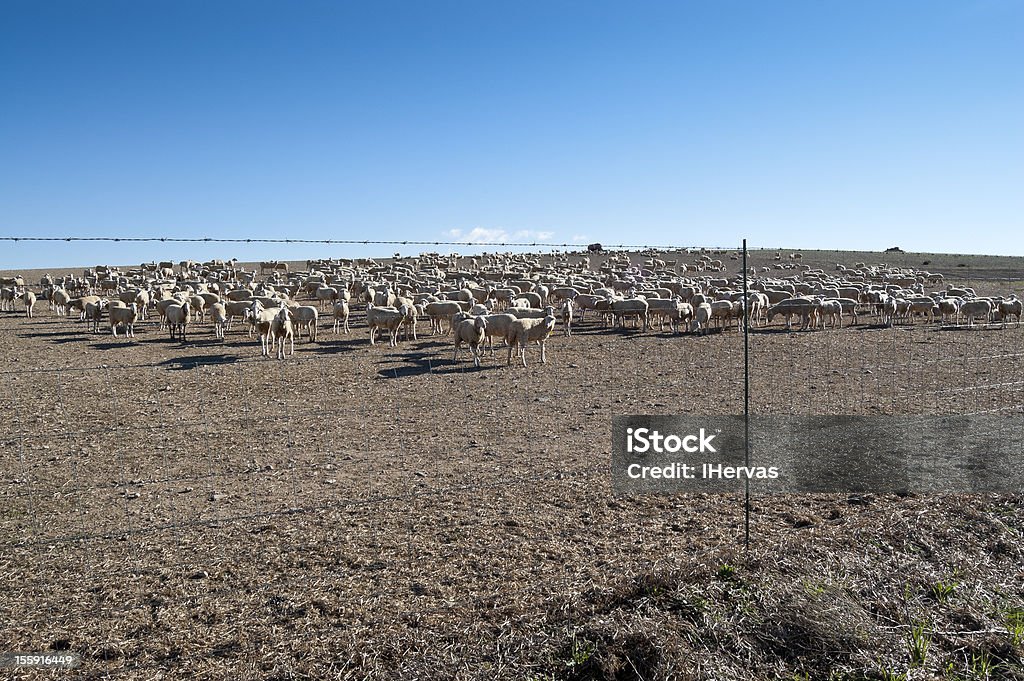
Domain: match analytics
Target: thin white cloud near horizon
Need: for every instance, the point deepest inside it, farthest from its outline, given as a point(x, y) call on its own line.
point(479, 235)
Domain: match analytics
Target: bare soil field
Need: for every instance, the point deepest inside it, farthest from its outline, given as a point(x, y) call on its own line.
point(194, 510)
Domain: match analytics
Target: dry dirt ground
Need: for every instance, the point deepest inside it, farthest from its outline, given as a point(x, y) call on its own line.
point(192, 510)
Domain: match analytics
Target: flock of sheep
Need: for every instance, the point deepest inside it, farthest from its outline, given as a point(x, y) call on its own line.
point(512, 297)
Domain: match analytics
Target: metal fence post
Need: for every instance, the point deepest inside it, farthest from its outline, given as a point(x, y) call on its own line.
point(746, 400)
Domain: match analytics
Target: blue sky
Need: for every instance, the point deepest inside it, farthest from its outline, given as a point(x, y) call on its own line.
point(856, 124)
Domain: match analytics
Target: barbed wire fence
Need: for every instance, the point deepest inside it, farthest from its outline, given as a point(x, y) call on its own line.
point(303, 486)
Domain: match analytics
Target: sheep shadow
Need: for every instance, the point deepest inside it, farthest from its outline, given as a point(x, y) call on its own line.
point(433, 363)
point(977, 327)
point(767, 331)
point(83, 338)
point(874, 326)
point(49, 334)
point(205, 342)
point(114, 345)
point(625, 331)
point(439, 368)
point(334, 347)
point(196, 361)
point(586, 329)
point(424, 344)
point(190, 341)
point(224, 343)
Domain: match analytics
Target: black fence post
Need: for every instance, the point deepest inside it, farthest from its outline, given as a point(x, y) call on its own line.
point(746, 400)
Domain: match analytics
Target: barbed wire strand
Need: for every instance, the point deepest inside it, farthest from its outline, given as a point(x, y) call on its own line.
point(352, 242)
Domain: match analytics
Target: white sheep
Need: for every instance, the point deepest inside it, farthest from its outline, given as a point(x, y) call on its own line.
point(949, 309)
point(497, 326)
point(258, 313)
point(59, 299)
point(524, 331)
point(141, 301)
point(162, 305)
point(197, 304)
point(238, 294)
point(722, 312)
point(79, 304)
point(503, 297)
point(281, 330)
point(976, 308)
point(587, 301)
point(341, 313)
point(29, 298)
point(305, 316)
point(921, 305)
point(384, 297)
point(470, 331)
point(701, 318)
point(804, 307)
point(566, 314)
point(7, 297)
point(178, 318)
point(758, 302)
point(902, 310)
point(562, 293)
point(888, 307)
point(93, 313)
point(530, 312)
point(387, 319)
point(636, 308)
point(408, 326)
point(848, 305)
point(1011, 307)
point(666, 308)
point(123, 316)
point(262, 322)
point(327, 294)
point(528, 299)
point(237, 308)
point(832, 310)
point(219, 317)
point(440, 311)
